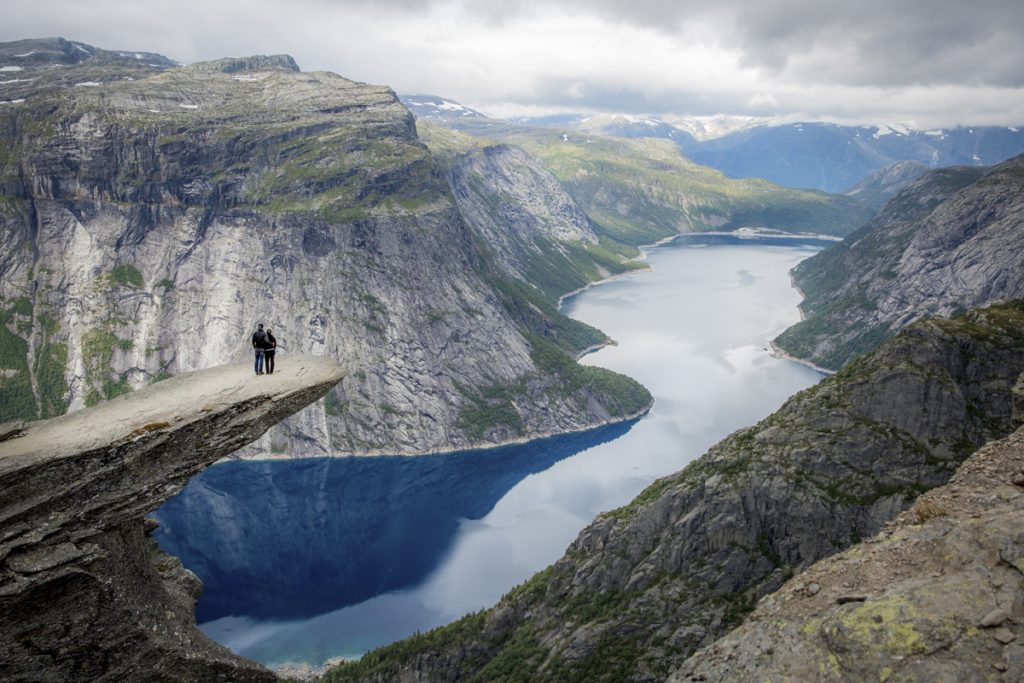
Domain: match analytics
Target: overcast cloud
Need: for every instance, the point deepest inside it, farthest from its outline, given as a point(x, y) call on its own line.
point(927, 62)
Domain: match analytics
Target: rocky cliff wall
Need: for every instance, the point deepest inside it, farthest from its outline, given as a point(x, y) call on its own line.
point(152, 215)
point(644, 586)
point(536, 230)
point(949, 242)
point(84, 593)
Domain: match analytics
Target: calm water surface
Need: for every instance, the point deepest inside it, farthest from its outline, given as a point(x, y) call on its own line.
point(306, 560)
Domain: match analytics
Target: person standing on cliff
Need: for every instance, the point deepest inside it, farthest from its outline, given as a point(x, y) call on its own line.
point(269, 352)
point(259, 345)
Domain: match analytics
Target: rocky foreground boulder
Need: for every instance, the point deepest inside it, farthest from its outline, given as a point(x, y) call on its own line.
point(85, 594)
point(938, 595)
point(643, 587)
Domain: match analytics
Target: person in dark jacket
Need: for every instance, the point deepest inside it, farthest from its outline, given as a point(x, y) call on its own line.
point(270, 349)
point(259, 345)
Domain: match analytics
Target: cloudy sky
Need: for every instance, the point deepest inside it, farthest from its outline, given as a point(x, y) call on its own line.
point(926, 62)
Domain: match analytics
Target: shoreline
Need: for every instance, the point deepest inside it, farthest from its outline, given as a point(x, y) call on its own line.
point(595, 347)
point(778, 352)
point(803, 297)
point(518, 441)
point(610, 278)
point(775, 351)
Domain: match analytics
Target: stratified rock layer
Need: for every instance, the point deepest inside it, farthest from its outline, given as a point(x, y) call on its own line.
point(84, 593)
point(937, 596)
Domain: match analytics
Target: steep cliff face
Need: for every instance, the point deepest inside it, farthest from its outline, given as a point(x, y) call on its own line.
point(937, 596)
point(151, 216)
point(84, 594)
point(644, 586)
point(538, 233)
point(950, 242)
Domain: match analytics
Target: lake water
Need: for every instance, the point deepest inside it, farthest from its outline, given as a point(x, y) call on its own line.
point(305, 560)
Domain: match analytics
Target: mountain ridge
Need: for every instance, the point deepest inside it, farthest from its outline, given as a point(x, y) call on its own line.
point(947, 242)
point(818, 155)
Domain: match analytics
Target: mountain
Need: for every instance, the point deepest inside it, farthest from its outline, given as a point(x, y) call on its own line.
point(440, 108)
point(153, 214)
point(85, 592)
point(537, 231)
point(882, 185)
point(831, 157)
point(679, 128)
point(950, 241)
point(625, 126)
point(643, 587)
point(637, 191)
point(812, 155)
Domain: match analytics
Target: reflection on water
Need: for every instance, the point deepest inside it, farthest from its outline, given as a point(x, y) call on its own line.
point(297, 538)
point(307, 560)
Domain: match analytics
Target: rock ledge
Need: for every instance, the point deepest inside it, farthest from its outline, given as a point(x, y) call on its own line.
point(84, 593)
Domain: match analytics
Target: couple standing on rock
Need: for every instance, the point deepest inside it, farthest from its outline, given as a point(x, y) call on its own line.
point(265, 344)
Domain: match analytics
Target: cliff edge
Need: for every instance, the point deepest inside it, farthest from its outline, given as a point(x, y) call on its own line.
point(84, 593)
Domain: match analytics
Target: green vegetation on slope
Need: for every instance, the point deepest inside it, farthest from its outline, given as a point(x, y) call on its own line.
point(638, 191)
point(98, 347)
point(554, 266)
point(16, 398)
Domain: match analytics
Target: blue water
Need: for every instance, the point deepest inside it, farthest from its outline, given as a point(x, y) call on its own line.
point(305, 560)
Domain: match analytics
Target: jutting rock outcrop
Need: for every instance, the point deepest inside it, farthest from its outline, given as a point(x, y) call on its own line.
point(84, 593)
point(645, 586)
point(950, 242)
point(151, 214)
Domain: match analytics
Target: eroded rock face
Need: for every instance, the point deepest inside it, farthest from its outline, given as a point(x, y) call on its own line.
point(84, 593)
point(643, 587)
point(152, 215)
point(949, 242)
point(939, 595)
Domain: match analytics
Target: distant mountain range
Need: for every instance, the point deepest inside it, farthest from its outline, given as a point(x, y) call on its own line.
point(813, 155)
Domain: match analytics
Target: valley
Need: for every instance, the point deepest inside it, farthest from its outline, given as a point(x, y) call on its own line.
point(560, 396)
point(311, 559)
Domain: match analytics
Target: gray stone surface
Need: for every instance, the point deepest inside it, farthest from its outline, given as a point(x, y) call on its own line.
point(945, 596)
point(949, 242)
point(84, 593)
point(151, 219)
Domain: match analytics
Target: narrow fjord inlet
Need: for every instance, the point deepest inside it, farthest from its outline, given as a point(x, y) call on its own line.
point(306, 560)
point(512, 342)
